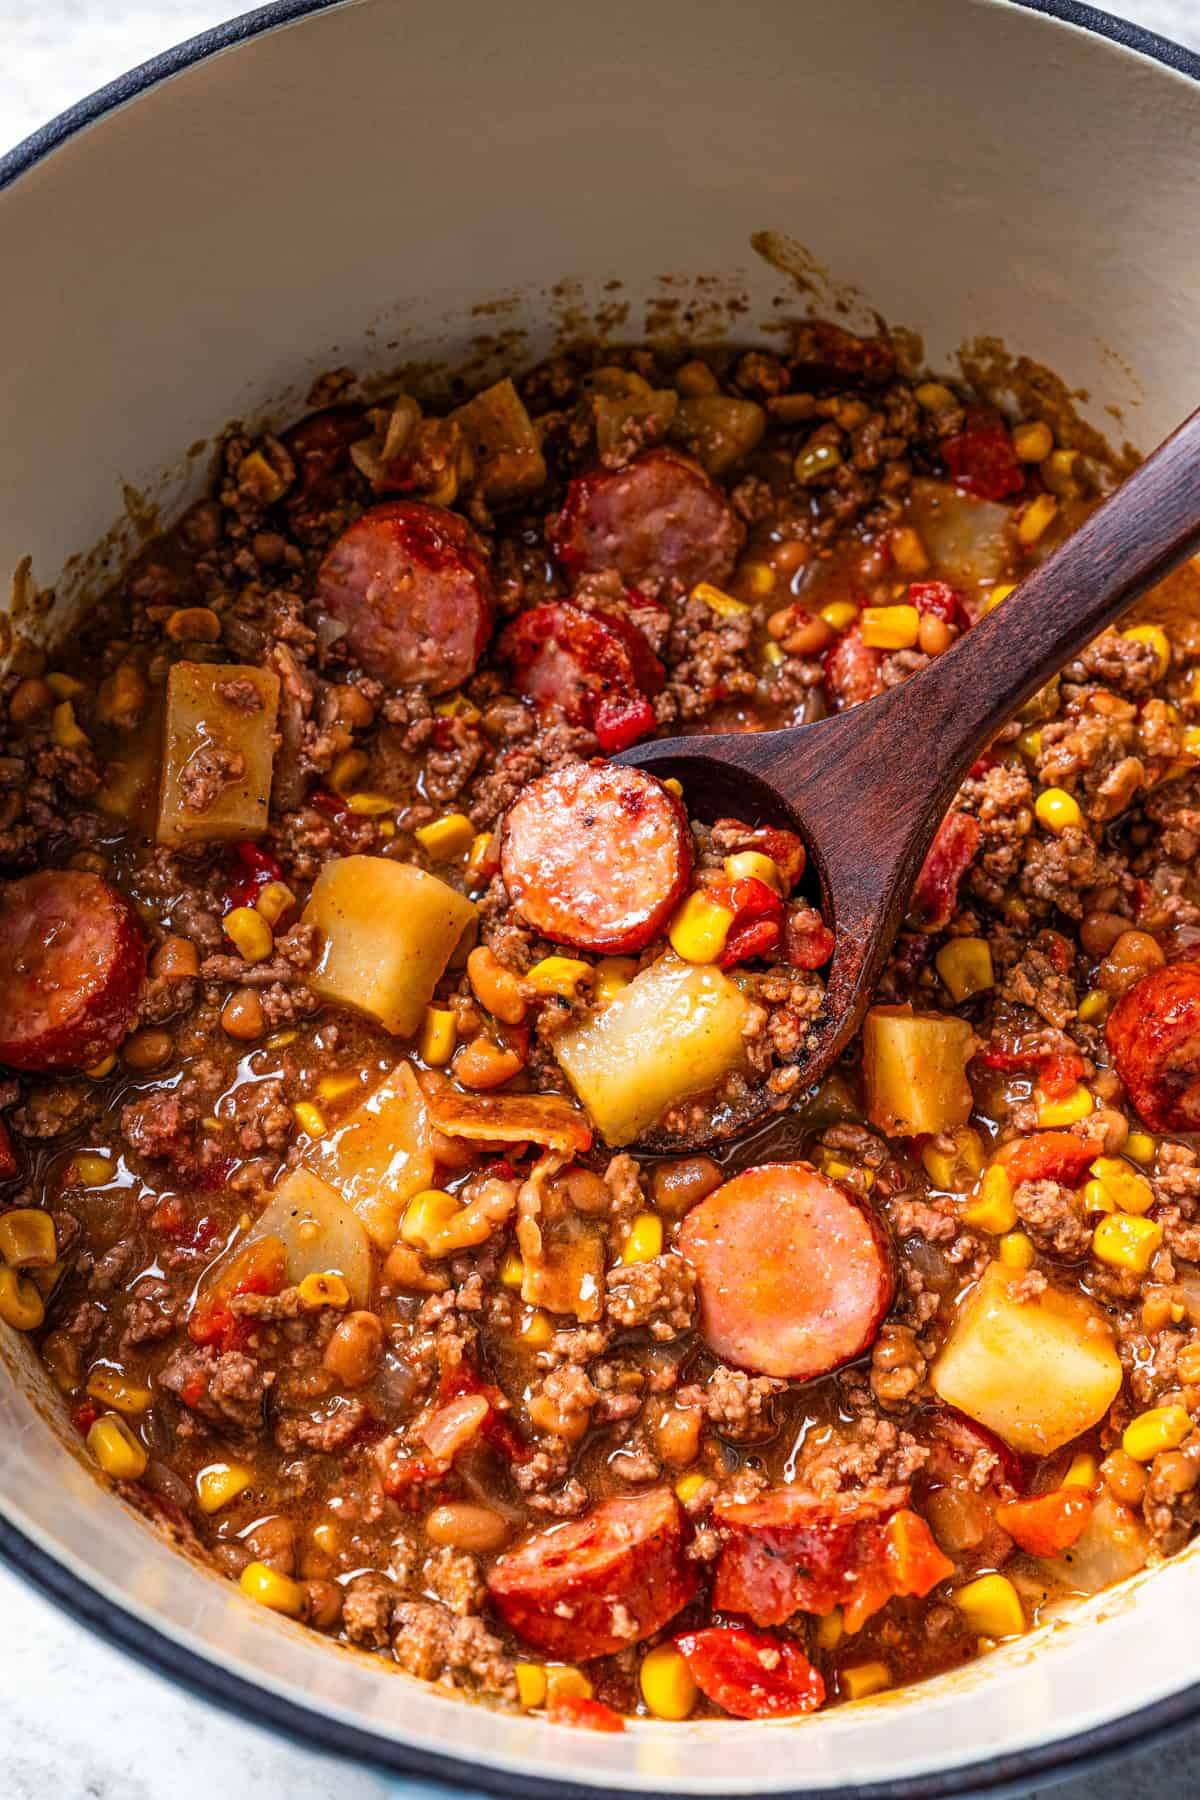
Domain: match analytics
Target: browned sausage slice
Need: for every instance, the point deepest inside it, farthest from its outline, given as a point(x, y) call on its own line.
point(72, 958)
point(1153, 1035)
point(596, 856)
point(600, 1583)
point(657, 521)
point(795, 1275)
point(410, 582)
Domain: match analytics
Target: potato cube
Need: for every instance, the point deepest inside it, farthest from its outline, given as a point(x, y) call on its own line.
point(319, 1233)
point(915, 1070)
point(387, 930)
point(1037, 1372)
point(674, 1031)
point(505, 442)
point(381, 1154)
point(218, 752)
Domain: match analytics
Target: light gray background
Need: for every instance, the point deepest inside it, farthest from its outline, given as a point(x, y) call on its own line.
point(77, 1720)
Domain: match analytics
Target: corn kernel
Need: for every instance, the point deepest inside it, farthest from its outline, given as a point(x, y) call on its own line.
point(1125, 1242)
point(91, 1169)
point(326, 1537)
point(28, 1239)
point(116, 1449)
point(104, 1067)
point(774, 654)
point(279, 1040)
point(446, 838)
point(645, 1240)
point(866, 1678)
point(457, 706)
point(249, 934)
point(558, 975)
point(1016, 1251)
point(992, 1207)
point(112, 1389)
point(512, 1270)
point(1057, 810)
point(310, 1118)
point(1097, 1199)
point(565, 1682)
point(348, 768)
point(666, 1683)
point(438, 1037)
point(531, 1684)
point(536, 1329)
point(839, 614)
point(610, 975)
point(1033, 442)
point(1140, 1145)
point(1093, 1006)
point(724, 605)
point(366, 805)
point(336, 1087)
point(699, 928)
point(1030, 744)
point(1084, 1472)
point(890, 627)
point(269, 1588)
point(1076, 1105)
point(965, 965)
point(1191, 740)
point(426, 1215)
point(688, 1486)
point(908, 552)
point(274, 900)
point(323, 1289)
point(65, 728)
point(20, 1302)
point(220, 1483)
point(955, 1169)
point(479, 858)
point(1131, 1192)
point(1000, 592)
point(758, 578)
point(674, 787)
point(1156, 637)
point(1162, 1428)
point(752, 865)
point(1036, 519)
point(935, 396)
point(830, 1630)
point(63, 687)
point(991, 1606)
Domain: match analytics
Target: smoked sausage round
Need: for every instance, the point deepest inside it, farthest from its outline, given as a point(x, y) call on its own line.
point(72, 958)
point(659, 521)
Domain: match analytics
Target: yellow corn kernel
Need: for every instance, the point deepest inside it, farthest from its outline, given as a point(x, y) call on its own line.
point(104, 1067)
point(90, 1169)
point(1033, 442)
point(992, 1207)
point(1156, 637)
point(28, 1239)
point(112, 1389)
point(866, 1678)
point(65, 728)
point(674, 787)
point(279, 1040)
point(830, 1630)
point(1125, 1242)
point(457, 706)
point(1036, 519)
point(688, 1486)
point(446, 838)
point(935, 396)
point(438, 1037)
point(386, 828)
point(1096, 1198)
point(752, 865)
point(20, 1302)
point(1093, 1006)
point(249, 934)
point(666, 1683)
point(1030, 744)
point(645, 1240)
point(1056, 810)
point(1131, 1192)
point(478, 857)
point(426, 1215)
point(839, 614)
point(348, 768)
point(536, 1329)
point(1140, 1145)
point(724, 605)
point(699, 928)
point(908, 552)
point(63, 687)
point(955, 1169)
point(890, 627)
point(310, 1118)
point(270, 1588)
point(558, 975)
point(336, 1087)
point(220, 1483)
point(836, 1168)
point(1162, 1428)
point(1084, 1472)
point(274, 900)
point(531, 1684)
point(565, 1682)
point(1016, 1251)
point(326, 1537)
point(610, 975)
point(774, 654)
point(370, 806)
point(323, 1289)
point(116, 1449)
point(1191, 740)
point(758, 578)
point(1000, 592)
point(1078, 1104)
point(512, 1270)
point(991, 1606)
point(965, 965)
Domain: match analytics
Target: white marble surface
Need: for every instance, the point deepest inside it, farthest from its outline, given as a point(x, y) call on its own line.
point(77, 1720)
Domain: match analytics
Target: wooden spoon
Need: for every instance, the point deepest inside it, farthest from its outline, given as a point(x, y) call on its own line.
point(867, 788)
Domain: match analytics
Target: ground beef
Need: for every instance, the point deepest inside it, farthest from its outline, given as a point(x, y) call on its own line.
point(737, 1404)
point(1050, 1213)
point(231, 1388)
point(368, 1603)
point(660, 1294)
point(430, 1642)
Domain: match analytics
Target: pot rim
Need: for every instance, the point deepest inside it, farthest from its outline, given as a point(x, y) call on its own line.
point(154, 1649)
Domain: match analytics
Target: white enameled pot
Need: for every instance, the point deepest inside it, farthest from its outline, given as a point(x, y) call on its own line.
point(376, 183)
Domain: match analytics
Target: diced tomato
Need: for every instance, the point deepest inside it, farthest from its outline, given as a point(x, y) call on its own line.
point(981, 459)
point(982, 764)
point(256, 868)
point(8, 1156)
point(1058, 1072)
point(497, 1429)
point(622, 721)
point(751, 1674)
point(852, 670)
point(84, 1416)
point(194, 1388)
point(1060, 1075)
point(1050, 1523)
point(404, 1473)
point(936, 893)
point(938, 600)
point(169, 1216)
point(261, 1268)
point(757, 918)
point(590, 1715)
point(914, 1562)
point(785, 848)
point(808, 941)
point(1048, 1156)
point(332, 806)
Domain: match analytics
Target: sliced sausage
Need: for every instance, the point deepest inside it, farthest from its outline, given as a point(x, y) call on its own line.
point(751, 1675)
point(795, 1274)
point(72, 958)
point(319, 446)
point(596, 856)
point(659, 522)
point(1153, 1036)
point(853, 671)
point(592, 668)
point(410, 582)
point(600, 1583)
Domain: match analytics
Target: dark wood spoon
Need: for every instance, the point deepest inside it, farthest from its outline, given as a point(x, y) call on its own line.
point(867, 788)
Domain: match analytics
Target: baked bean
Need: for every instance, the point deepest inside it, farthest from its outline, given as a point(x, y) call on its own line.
point(200, 527)
point(1173, 1472)
point(176, 959)
point(678, 1185)
point(322, 1604)
point(792, 554)
point(934, 636)
point(1099, 931)
point(696, 378)
point(352, 1353)
point(242, 1016)
point(1187, 1363)
point(351, 707)
point(677, 1433)
point(147, 1050)
point(194, 625)
point(587, 1192)
point(29, 700)
point(1114, 1125)
point(465, 1527)
point(1124, 1478)
point(273, 1541)
point(809, 637)
point(268, 548)
point(482, 1064)
point(496, 987)
point(1133, 955)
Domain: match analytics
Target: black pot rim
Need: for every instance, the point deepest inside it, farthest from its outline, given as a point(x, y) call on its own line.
point(152, 1647)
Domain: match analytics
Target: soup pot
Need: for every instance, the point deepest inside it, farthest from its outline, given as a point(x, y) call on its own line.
point(375, 184)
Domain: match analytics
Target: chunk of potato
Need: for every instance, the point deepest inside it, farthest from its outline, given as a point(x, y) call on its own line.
point(381, 1154)
point(218, 752)
point(614, 416)
point(1114, 1543)
point(318, 1231)
point(387, 932)
point(915, 1070)
point(673, 1031)
point(719, 429)
point(1037, 1372)
point(505, 443)
point(967, 539)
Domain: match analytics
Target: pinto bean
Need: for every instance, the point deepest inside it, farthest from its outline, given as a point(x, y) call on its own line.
point(465, 1527)
point(352, 1353)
